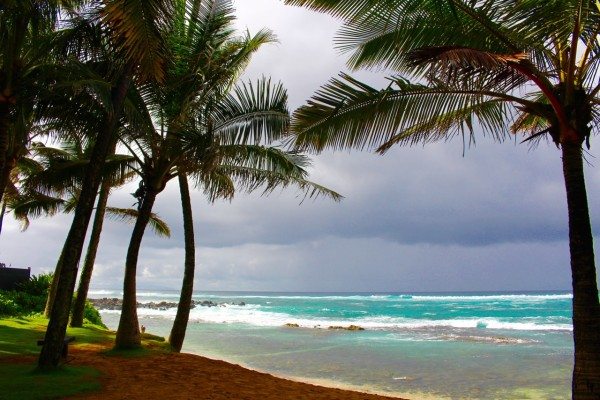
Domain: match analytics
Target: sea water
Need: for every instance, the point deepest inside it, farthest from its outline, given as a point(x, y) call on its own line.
point(435, 345)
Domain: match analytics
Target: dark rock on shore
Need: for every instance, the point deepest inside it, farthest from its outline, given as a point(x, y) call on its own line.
point(347, 328)
point(116, 304)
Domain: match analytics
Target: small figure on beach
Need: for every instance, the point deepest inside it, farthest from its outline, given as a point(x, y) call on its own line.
point(143, 329)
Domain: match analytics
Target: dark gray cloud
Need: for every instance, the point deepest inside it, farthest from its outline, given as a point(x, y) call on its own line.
point(416, 219)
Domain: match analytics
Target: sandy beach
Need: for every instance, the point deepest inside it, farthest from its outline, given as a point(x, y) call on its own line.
point(188, 376)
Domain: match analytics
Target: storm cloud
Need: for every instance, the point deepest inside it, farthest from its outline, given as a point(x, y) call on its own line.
point(417, 219)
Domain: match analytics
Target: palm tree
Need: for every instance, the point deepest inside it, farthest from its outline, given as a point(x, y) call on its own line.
point(24, 28)
point(48, 181)
point(242, 168)
point(216, 60)
point(202, 131)
point(500, 66)
point(132, 32)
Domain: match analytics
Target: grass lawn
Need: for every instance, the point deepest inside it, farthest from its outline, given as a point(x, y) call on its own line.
point(22, 381)
point(19, 378)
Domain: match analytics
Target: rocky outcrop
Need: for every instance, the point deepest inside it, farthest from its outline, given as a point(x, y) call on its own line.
point(347, 328)
point(291, 325)
point(116, 304)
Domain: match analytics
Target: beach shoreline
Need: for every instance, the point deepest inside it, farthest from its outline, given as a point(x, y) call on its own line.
point(325, 383)
point(181, 376)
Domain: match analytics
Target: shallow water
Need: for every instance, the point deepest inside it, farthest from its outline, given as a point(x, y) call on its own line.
point(471, 346)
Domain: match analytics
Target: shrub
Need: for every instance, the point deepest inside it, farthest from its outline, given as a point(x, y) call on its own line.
point(37, 285)
point(8, 307)
point(91, 314)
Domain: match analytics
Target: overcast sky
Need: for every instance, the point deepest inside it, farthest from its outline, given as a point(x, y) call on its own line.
point(416, 219)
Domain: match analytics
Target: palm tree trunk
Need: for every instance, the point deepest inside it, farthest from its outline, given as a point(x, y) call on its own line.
point(586, 307)
point(128, 332)
point(4, 144)
point(187, 288)
point(71, 253)
point(2, 214)
point(53, 287)
point(90, 257)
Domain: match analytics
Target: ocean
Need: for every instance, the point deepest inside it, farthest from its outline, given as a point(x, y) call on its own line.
point(419, 346)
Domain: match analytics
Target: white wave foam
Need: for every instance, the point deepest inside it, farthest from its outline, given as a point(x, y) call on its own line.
point(255, 315)
point(105, 293)
point(509, 297)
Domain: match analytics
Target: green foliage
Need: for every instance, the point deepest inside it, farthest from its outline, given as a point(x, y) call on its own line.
point(29, 298)
point(37, 285)
point(8, 306)
point(21, 303)
point(91, 314)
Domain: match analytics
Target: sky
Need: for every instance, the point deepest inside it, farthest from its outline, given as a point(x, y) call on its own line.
point(424, 218)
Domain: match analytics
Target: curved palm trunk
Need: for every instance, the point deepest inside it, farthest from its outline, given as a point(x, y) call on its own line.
point(53, 287)
point(66, 270)
point(586, 308)
point(9, 164)
point(2, 214)
point(128, 332)
point(90, 257)
point(187, 288)
point(4, 142)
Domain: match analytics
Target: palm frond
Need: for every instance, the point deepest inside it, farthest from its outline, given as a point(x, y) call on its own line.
point(136, 28)
point(335, 116)
point(33, 205)
point(253, 113)
point(129, 215)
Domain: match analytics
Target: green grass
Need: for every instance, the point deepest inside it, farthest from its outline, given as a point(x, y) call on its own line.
point(22, 381)
point(19, 336)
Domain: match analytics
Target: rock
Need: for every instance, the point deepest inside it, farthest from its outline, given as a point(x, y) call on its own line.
point(347, 328)
point(107, 303)
point(355, 328)
point(290, 325)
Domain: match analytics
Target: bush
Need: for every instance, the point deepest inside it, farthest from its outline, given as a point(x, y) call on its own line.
point(8, 307)
point(36, 285)
point(91, 314)
point(30, 298)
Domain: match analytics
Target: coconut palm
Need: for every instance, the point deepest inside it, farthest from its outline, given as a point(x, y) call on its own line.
point(244, 168)
point(131, 32)
point(492, 66)
point(203, 127)
point(24, 27)
point(48, 181)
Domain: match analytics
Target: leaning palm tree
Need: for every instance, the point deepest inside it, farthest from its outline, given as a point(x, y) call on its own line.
point(243, 168)
point(48, 181)
point(205, 58)
point(494, 66)
point(131, 32)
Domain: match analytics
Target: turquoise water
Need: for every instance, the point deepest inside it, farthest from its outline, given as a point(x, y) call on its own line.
point(458, 346)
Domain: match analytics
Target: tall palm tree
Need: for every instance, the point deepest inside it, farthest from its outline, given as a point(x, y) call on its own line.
point(201, 130)
point(204, 58)
point(495, 66)
point(49, 180)
point(132, 32)
point(24, 28)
